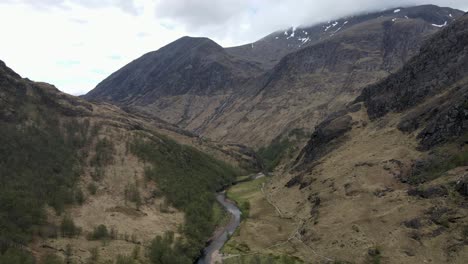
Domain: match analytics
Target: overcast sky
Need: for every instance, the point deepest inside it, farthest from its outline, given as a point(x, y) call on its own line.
point(74, 44)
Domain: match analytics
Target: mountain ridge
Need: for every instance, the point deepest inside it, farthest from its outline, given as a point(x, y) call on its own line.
point(228, 97)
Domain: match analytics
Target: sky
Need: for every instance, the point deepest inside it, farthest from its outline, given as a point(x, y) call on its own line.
point(75, 44)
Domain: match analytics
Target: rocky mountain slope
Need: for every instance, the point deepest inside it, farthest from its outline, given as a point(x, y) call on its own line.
point(84, 180)
point(288, 80)
point(384, 180)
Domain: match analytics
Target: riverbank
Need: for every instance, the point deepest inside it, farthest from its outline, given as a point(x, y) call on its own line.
point(260, 230)
point(211, 252)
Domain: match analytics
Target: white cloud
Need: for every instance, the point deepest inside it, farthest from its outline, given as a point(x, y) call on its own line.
point(74, 44)
point(76, 47)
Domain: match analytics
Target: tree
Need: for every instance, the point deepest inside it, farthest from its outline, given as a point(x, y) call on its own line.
point(68, 227)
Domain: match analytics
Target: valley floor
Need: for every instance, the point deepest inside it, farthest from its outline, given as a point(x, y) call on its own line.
point(265, 235)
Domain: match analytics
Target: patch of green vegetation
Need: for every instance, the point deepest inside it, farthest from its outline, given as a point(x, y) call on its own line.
point(39, 165)
point(101, 232)
point(262, 259)
point(92, 188)
point(273, 153)
point(166, 250)
point(234, 247)
point(132, 194)
point(68, 227)
point(220, 215)
point(189, 179)
point(16, 256)
point(464, 233)
point(104, 155)
point(280, 148)
point(241, 192)
point(436, 167)
point(375, 255)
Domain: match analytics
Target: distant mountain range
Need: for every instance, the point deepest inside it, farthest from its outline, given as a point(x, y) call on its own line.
point(290, 79)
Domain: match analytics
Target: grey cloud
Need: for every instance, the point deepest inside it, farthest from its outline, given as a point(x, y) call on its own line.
point(196, 13)
point(237, 22)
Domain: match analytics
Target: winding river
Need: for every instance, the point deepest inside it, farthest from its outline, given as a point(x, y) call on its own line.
point(211, 253)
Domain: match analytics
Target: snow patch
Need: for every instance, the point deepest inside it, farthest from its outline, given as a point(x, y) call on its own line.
point(396, 10)
point(337, 30)
point(304, 40)
point(346, 22)
point(292, 34)
point(393, 20)
point(276, 38)
point(443, 25)
point(450, 15)
point(406, 17)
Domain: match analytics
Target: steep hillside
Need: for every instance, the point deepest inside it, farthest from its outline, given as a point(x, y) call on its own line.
point(81, 181)
point(290, 80)
point(384, 180)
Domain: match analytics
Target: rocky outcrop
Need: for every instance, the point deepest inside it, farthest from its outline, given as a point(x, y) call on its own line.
point(431, 192)
point(432, 88)
point(461, 186)
point(326, 137)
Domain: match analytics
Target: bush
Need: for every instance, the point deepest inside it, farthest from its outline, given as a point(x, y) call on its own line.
point(375, 255)
point(92, 188)
point(99, 233)
point(68, 227)
point(132, 194)
point(245, 209)
point(79, 196)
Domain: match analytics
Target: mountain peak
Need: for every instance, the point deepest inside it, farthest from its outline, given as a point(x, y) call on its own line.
point(193, 44)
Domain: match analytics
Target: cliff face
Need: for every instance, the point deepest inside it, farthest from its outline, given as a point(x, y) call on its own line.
point(431, 87)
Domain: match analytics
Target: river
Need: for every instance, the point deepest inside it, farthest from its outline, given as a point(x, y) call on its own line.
point(211, 253)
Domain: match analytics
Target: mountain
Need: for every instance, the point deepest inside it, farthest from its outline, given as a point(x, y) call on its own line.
point(269, 50)
point(384, 180)
point(81, 180)
point(260, 92)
